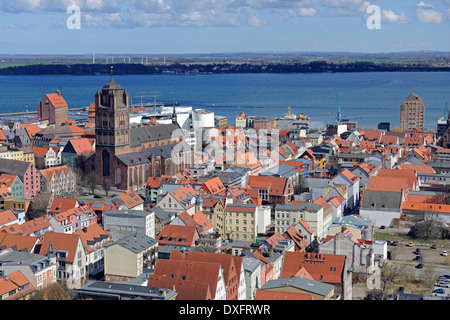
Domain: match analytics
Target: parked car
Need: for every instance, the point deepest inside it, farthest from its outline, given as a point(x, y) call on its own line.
point(443, 284)
point(444, 253)
point(433, 247)
point(419, 266)
point(445, 276)
point(394, 243)
point(417, 251)
point(411, 244)
point(401, 289)
point(417, 258)
point(439, 290)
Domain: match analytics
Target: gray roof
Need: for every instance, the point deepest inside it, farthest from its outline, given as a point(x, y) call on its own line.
point(127, 213)
point(115, 288)
point(250, 264)
point(14, 167)
point(153, 133)
point(136, 242)
point(133, 159)
point(306, 206)
point(315, 287)
point(353, 220)
point(166, 150)
point(381, 199)
point(112, 85)
point(35, 261)
point(282, 170)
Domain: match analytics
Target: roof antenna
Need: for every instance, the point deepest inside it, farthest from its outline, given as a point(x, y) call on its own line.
point(112, 72)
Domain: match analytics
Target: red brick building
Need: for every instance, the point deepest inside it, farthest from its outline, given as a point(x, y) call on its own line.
point(53, 108)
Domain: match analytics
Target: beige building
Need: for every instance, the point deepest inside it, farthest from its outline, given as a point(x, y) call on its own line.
point(412, 113)
point(58, 180)
point(241, 222)
point(290, 215)
point(126, 258)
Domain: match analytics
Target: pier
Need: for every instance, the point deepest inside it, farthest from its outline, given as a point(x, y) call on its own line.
point(25, 113)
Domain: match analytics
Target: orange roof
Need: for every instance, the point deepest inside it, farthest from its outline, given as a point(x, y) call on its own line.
point(214, 186)
point(7, 216)
point(177, 235)
point(56, 99)
point(131, 198)
point(416, 167)
point(204, 272)
point(60, 241)
point(275, 185)
point(154, 182)
point(17, 241)
point(2, 135)
point(410, 175)
point(31, 128)
point(48, 173)
point(82, 146)
point(327, 268)
point(63, 204)
point(201, 220)
point(34, 225)
point(92, 233)
point(5, 193)
point(15, 281)
point(350, 176)
point(250, 160)
point(7, 179)
point(428, 207)
point(387, 183)
point(186, 289)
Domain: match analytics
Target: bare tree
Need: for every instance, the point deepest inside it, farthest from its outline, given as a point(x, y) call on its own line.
point(389, 272)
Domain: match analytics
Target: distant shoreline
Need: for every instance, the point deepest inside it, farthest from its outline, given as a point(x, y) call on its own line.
point(200, 69)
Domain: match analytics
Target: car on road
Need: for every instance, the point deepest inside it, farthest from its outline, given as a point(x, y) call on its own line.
point(419, 266)
point(411, 244)
point(444, 253)
point(443, 284)
point(439, 290)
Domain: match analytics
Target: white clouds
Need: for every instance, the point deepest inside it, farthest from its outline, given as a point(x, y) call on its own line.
point(426, 14)
point(310, 12)
point(389, 16)
point(199, 13)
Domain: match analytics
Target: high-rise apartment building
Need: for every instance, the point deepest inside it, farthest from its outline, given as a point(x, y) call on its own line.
point(412, 113)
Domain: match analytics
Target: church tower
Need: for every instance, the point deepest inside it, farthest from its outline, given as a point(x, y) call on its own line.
point(112, 129)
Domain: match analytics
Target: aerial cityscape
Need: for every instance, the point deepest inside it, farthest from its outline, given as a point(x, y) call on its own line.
point(256, 173)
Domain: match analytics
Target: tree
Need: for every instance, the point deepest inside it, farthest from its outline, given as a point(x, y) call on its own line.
point(91, 182)
point(388, 273)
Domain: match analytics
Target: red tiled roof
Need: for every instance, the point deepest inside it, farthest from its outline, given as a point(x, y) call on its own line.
point(275, 185)
point(60, 241)
point(177, 235)
point(214, 186)
point(56, 99)
point(63, 204)
point(327, 268)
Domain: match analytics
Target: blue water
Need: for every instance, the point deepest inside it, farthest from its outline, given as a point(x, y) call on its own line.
point(368, 98)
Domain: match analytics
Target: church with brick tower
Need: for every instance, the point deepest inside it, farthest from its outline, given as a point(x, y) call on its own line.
point(124, 156)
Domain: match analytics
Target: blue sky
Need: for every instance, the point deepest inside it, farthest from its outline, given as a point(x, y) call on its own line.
point(217, 26)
